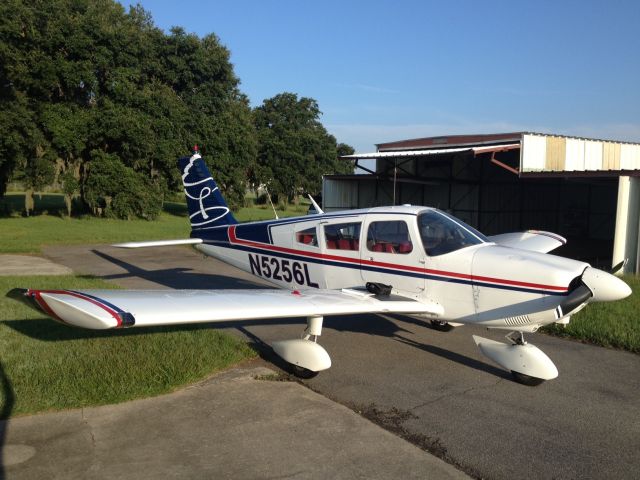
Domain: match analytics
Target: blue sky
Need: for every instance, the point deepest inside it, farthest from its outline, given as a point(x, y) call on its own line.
point(389, 70)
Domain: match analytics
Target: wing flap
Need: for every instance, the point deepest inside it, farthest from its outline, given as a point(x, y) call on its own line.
point(533, 240)
point(99, 309)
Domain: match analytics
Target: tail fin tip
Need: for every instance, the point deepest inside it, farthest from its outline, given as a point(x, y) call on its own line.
point(206, 205)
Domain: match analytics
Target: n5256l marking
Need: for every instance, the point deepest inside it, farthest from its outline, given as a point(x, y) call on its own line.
point(282, 270)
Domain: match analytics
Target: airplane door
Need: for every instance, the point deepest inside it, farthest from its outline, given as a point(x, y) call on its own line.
point(449, 246)
point(391, 253)
point(340, 243)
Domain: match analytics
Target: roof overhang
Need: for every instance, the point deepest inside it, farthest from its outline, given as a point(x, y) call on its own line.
point(434, 151)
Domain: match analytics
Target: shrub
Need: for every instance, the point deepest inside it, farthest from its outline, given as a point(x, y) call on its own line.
point(115, 190)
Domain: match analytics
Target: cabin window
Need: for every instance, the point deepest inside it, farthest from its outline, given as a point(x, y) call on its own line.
point(389, 237)
point(444, 234)
point(342, 236)
point(307, 237)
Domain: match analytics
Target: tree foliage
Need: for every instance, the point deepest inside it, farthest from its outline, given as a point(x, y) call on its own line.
point(294, 148)
point(83, 76)
point(100, 102)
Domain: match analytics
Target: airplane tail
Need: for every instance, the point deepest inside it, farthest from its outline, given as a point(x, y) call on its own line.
point(205, 203)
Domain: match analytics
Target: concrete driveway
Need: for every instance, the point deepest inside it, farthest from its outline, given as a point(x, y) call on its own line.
point(435, 388)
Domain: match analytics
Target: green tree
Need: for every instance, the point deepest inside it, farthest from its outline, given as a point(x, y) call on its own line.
point(83, 76)
point(294, 148)
point(115, 190)
point(70, 186)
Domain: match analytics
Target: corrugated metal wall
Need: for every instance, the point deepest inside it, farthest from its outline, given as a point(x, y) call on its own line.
point(548, 153)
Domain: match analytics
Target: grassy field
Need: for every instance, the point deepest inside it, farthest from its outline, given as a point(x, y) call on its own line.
point(48, 366)
point(28, 234)
point(614, 324)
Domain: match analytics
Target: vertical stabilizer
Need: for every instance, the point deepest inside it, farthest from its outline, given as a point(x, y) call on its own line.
point(205, 203)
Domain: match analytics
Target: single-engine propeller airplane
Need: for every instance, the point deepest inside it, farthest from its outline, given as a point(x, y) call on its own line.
point(411, 260)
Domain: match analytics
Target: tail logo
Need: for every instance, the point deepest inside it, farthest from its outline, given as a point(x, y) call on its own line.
point(194, 191)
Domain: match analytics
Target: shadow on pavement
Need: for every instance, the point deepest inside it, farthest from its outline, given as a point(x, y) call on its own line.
point(178, 278)
point(456, 357)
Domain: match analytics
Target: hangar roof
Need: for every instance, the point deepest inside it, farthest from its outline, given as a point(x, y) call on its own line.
point(540, 154)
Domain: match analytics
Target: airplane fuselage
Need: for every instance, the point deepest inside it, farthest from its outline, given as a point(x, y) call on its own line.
point(475, 280)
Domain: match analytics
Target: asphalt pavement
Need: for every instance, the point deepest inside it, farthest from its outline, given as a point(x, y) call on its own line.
point(236, 425)
point(433, 388)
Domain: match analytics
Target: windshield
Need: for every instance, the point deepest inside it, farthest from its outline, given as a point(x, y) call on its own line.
point(442, 233)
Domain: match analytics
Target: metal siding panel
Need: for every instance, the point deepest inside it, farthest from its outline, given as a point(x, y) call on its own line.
point(555, 154)
point(339, 194)
point(611, 156)
point(575, 155)
point(534, 152)
point(592, 155)
point(630, 157)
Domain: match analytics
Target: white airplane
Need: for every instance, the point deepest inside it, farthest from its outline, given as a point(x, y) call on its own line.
point(410, 260)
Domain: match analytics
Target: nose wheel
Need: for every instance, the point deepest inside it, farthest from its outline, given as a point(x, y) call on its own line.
point(526, 362)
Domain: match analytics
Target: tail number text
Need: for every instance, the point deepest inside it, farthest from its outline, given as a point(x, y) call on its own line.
point(281, 269)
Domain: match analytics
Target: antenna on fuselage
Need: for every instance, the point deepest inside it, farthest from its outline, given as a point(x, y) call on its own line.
point(269, 198)
point(315, 205)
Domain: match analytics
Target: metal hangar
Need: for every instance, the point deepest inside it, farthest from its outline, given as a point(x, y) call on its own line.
point(584, 189)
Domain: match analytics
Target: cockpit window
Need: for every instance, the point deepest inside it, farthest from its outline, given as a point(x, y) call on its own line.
point(443, 234)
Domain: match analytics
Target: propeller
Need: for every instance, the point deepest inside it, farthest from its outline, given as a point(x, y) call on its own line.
point(576, 298)
point(619, 266)
point(596, 285)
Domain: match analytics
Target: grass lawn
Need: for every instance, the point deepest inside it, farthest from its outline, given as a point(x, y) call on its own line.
point(28, 234)
point(47, 366)
point(614, 324)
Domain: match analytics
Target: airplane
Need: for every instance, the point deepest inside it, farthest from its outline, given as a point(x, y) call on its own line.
point(409, 260)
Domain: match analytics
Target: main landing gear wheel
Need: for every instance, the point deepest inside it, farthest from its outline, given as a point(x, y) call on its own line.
point(527, 380)
point(302, 372)
point(441, 326)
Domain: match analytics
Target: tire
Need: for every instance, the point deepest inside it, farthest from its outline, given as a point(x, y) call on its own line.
point(527, 380)
point(441, 326)
point(302, 372)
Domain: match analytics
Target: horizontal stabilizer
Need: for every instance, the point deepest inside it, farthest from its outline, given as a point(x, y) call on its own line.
point(101, 309)
point(159, 243)
point(533, 240)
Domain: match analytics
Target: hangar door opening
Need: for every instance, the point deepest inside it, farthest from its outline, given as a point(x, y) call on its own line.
point(491, 198)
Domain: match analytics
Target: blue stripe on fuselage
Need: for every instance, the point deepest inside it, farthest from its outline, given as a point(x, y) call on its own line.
point(389, 271)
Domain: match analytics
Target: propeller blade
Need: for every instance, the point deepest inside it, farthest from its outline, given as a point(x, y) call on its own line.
point(575, 299)
point(618, 266)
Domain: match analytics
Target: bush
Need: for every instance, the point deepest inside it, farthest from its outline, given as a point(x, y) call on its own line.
point(115, 190)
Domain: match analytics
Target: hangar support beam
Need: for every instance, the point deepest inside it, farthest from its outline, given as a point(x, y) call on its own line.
point(625, 243)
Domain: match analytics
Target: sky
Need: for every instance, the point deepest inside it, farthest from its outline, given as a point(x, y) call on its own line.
point(390, 70)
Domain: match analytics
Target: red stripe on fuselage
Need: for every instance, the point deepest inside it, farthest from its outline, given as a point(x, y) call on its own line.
point(265, 246)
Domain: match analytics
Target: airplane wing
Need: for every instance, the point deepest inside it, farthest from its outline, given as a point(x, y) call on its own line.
point(103, 309)
point(534, 240)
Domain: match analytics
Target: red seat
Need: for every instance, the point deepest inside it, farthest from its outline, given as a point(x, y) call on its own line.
point(405, 247)
point(356, 245)
point(331, 244)
point(377, 247)
point(343, 244)
point(388, 248)
point(307, 239)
